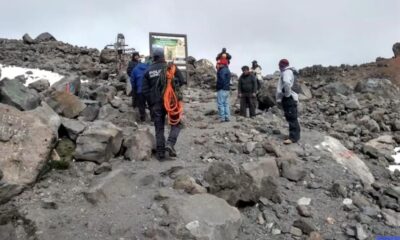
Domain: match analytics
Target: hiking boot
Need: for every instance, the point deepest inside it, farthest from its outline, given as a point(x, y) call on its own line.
point(171, 151)
point(160, 156)
point(287, 142)
point(227, 120)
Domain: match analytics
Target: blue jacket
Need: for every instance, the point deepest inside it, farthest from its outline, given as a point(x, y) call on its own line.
point(137, 76)
point(223, 78)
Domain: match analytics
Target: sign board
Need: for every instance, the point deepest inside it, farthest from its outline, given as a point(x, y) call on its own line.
point(174, 45)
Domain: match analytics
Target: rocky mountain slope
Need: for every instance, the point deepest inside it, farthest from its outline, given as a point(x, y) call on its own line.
point(75, 164)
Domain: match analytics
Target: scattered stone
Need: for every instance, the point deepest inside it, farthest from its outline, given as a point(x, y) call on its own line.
point(304, 201)
point(360, 232)
point(391, 217)
point(296, 231)
point(303, 211)
point(315, 236)
point(188, 184)
point(116, 184)
point(40, 85)
point(27, 39)
point(292, 171)
point(203, 216)
point(104, 167)
point(99, 142)
point(264, 167)
point(347, 201)
point(16, 94)
point(65, 104)
point(48, 203)
point(139, 146)
point(305, 225)
point(270, 189)
point(45, 37)
point(276, 231)
point(73, 127)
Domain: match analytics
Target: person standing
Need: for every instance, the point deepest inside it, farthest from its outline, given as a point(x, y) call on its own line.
point(223, 88)
point(131, 65)
point(256, 70)
point(289, 100)
point(247, 90)
point(136, 78)
point(154, 86)
point(224, 54)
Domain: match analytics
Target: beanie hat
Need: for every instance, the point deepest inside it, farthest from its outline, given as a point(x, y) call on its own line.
point(283, 63)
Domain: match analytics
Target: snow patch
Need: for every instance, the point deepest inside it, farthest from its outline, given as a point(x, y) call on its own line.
point(396, 158)
point(11, 72)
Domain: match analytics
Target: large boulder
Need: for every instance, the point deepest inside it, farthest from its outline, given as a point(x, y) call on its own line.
point(107, 56)
point(202, 73)
point(202, 217)
point(115, 184)
point(264, 167)
point(348, 159)
point(65, 104)
point(380, 147)
point(266, 96)
point(99, 142)
point(71, 84)
point(396, 49)
point(140, 145)
point(73, 127)
point(25, 145)
point(47, 115)
point(235, 186)
point(378, 87)
point(45, 37)
point(27, 39)
point(16, 94)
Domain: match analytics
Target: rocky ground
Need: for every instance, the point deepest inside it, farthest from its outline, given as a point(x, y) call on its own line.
point(76, 165)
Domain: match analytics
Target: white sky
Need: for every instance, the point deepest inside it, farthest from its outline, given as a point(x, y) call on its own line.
point(306, 32)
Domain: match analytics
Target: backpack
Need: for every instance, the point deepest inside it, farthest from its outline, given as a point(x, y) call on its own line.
point(296, 84)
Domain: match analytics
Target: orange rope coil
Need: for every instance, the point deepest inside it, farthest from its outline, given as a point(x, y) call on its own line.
point(172, 105)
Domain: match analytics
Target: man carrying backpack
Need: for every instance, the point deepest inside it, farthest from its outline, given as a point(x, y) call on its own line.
point(155, 84)
point(247, 89)
point(286, 96)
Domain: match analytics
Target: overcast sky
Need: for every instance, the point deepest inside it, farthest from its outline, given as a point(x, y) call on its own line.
point(306, 32)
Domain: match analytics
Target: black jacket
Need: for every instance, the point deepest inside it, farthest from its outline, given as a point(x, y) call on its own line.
point(247, 84)
point(154, 82)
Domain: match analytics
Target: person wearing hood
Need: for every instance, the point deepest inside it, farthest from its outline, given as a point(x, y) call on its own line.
point(256, 70)
point(289, 100)
point(223, 88)
point(247, 89)
point(154, 84)
point(136, 79)
point(134, 61)
point(224, 54)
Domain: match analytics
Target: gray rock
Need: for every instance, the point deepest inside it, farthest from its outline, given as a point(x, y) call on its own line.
point(16, 94)
point(377, 86)
point(8, 191)
point(47, 115)
point(71, 84)
point(235, 187)
point(396, 49)
point(49, 203)
point(114, 185)
point(189, 185)
point(296, 231)
point(25, 144)
point(27, 39)
point(360, 232)
point(264, 167)
point(99, 142)
point(45, 37)
point(140, 145)
point(65, 104)
point(292, 171)
point(73, 127)
point(270, 189)
point(391, 217)
point(107, 56)
point(305, 225)
point(40, 85)
point(203, 217)
point(104, 167)
point(370, 124)
point(352, 104)
point(91, 112)
point(304, 211)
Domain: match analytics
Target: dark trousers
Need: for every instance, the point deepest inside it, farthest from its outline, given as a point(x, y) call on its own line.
point(159, 114)
point(289, 106)
point(247, 101)
point(141, 104)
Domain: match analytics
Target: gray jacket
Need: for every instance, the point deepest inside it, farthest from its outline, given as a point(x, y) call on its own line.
point(285, 84)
